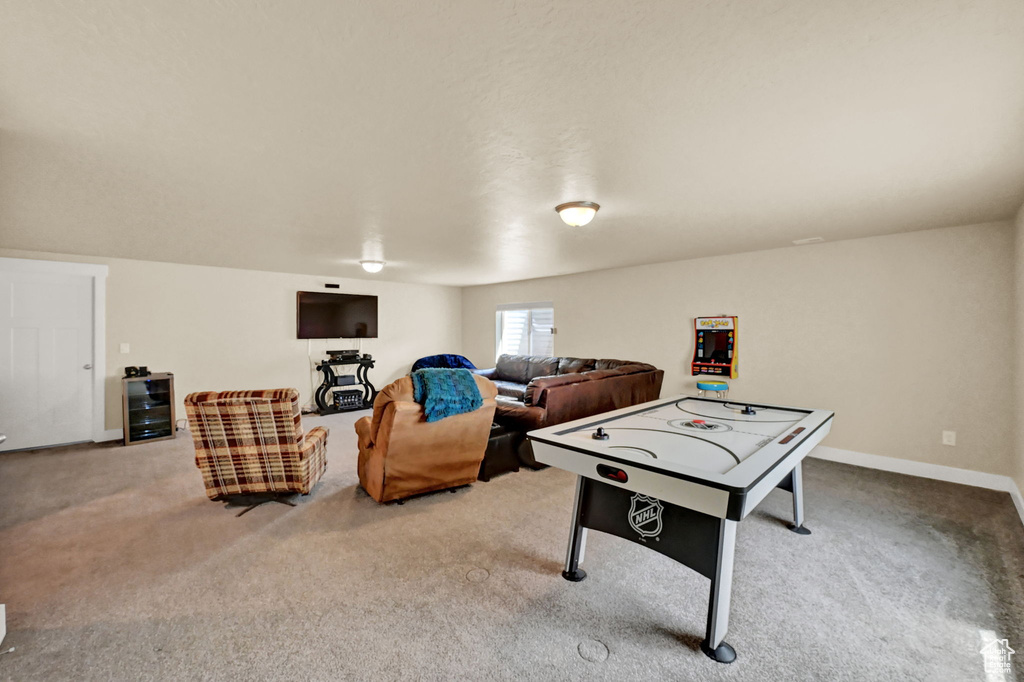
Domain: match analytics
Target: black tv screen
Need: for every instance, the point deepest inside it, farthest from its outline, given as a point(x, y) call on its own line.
point(336, 316)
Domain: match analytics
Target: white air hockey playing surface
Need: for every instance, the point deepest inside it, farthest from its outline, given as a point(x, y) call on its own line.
point(709, 455)
point(719, 436)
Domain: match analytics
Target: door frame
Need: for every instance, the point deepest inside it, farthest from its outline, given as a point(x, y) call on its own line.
point(98, 273)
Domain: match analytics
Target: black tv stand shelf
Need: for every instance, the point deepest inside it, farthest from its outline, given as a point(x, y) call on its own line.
point(334, 382)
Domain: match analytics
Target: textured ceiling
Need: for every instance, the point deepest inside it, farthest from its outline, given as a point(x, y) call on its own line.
point(439, 136)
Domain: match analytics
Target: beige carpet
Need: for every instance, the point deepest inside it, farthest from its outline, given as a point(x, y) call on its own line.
point(115, 566)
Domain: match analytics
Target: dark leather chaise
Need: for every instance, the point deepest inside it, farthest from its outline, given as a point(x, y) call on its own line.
point(534, 392)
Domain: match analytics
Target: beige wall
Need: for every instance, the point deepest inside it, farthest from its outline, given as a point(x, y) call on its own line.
point(903, 336)
point(1017, 418)
point(225, 329)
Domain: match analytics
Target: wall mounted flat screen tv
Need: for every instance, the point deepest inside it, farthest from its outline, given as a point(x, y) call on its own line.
point(336, 316)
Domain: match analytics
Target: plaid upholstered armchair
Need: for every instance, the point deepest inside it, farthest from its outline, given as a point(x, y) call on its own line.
point(252, 442)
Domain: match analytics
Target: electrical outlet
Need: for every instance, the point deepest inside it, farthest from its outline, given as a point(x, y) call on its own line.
point(949, 437)
point(125, 348)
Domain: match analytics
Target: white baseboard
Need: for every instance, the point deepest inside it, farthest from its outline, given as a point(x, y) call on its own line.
point(938, 472)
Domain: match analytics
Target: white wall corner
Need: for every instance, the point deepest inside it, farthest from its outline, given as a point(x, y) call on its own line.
point(110, 434)
point(1018, 499)
point(937, 472)
point(3, 622)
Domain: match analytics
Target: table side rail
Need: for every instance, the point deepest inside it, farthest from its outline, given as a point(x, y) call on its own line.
point(783, 469)
point(711, 501)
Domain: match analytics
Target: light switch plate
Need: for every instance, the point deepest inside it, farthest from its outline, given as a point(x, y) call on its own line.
point(949, 437)
point(125, 348)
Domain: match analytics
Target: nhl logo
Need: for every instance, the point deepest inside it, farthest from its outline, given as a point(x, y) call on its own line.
point(645, 515)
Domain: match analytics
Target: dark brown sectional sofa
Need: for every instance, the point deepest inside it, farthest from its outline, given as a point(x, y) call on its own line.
point(534, 392)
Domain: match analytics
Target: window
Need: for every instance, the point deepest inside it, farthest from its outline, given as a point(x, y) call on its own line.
point(525, 329)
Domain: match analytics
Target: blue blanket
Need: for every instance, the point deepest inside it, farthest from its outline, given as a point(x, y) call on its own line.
point(445, 392)
point(446, 360)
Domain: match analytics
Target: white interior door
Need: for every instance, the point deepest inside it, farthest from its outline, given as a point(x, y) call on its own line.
point(46, 358)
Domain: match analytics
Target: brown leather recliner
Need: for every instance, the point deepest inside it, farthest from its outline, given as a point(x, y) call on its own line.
point(401, 454)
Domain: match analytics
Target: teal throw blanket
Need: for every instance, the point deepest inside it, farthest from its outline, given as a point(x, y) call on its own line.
point(445, 392)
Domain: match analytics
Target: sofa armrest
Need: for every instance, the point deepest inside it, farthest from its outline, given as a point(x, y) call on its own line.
point(315, 439)
point(363, 433)
point(537, 389)
point(512, 414)
point(491, 373)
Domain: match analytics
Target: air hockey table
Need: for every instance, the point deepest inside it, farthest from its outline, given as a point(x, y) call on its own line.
point(677, 475)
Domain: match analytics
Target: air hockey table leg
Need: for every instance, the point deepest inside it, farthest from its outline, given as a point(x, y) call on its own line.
point(721, 591)
point(577, 539)
point(798, 502)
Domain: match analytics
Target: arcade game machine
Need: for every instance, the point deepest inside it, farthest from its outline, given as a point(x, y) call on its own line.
point(715, 346)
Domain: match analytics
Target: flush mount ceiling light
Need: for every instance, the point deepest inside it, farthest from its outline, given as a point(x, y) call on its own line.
point(577, 213)
point(372, 265)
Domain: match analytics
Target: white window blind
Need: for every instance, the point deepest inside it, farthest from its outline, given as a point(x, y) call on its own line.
point(525, 329)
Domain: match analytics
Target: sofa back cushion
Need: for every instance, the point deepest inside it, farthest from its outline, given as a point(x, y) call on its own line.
point(246, 428)
point(278, 410)
point(542, 367)
point(515, 368)
point(401, 391)
point(616, 364)
point(520, 369)
point(574, 365)
point(634, 368)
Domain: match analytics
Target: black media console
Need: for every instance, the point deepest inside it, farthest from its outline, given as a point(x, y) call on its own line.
point(359, 397)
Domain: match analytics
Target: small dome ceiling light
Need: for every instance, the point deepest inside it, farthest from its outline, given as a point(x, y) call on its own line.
point(372, 265)
point(577, 213)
